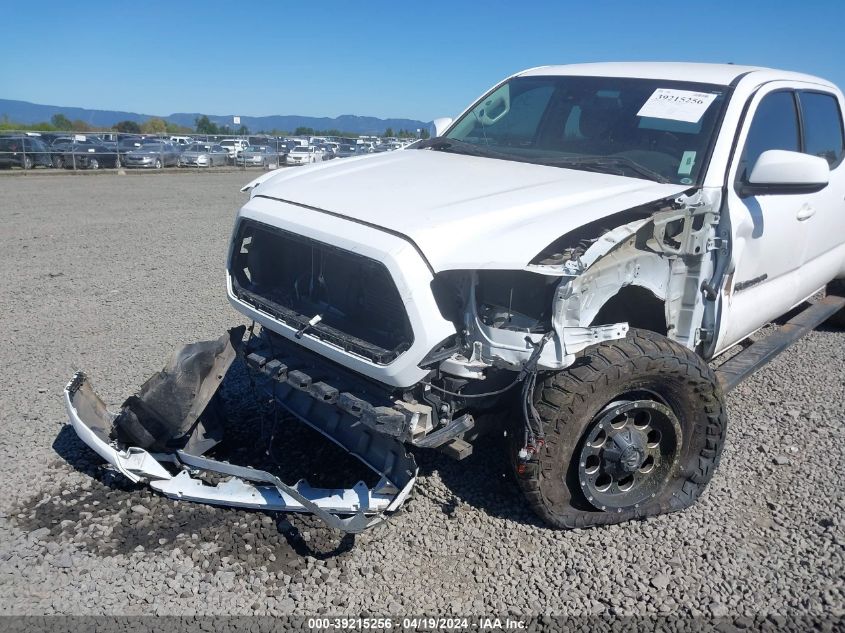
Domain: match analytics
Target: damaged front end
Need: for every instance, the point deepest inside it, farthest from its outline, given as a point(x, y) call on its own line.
point(653, 267)
point(578, 290)
point(161, 434)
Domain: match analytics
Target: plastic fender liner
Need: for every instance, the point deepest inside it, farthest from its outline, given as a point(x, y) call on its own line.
point(165, 411)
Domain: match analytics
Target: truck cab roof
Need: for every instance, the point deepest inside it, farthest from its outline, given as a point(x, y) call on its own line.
point(720, 74)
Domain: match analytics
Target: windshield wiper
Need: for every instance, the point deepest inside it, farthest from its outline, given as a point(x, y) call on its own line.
point(600, 163)
point(454, 146)
point(618, 165)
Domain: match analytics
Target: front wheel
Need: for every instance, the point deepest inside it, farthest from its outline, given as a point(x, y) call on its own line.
point(158, 163)
point(93, 163)
point(633, 429)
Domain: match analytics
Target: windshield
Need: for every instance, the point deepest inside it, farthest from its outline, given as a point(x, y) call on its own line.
point(644, 128)
point(196, 147)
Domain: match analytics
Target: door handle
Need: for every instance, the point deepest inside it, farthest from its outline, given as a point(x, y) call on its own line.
point(805, 212)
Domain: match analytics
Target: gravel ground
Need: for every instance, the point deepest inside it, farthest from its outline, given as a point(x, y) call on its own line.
point(108, 273)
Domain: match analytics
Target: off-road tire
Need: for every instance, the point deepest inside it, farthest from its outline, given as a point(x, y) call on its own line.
point(569, 401)
point(837, 287)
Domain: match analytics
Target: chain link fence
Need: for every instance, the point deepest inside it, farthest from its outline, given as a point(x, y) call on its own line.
point(33, 151)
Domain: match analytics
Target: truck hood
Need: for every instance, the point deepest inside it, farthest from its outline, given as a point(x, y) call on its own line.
point(462, 212)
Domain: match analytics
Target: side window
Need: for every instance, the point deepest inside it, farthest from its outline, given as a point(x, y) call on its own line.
point(774, 126)
point(822, 126)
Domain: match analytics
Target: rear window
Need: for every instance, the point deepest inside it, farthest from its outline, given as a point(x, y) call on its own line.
point(822, 121)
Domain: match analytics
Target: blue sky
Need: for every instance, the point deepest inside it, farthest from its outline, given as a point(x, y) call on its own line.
point(397, 59)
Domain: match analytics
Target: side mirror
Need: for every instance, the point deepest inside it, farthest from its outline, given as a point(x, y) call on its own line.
point(438, 126)
point(781, 171)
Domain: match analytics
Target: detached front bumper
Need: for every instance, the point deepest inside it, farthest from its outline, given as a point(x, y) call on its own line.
point(178, 474)
point(93, 422)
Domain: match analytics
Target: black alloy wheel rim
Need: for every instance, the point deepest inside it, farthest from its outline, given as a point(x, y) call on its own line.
point(628, 453)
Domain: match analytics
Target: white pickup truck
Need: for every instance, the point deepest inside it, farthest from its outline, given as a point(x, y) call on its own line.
point(560, 264)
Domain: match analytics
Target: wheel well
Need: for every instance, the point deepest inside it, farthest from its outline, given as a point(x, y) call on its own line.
point(636, 305)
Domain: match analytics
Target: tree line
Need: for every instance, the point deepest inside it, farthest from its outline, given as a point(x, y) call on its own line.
point(202, 125)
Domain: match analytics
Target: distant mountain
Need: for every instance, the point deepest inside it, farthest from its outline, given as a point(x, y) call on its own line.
point(28, 113)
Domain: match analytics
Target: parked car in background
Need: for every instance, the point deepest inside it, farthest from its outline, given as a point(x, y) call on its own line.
point(106, 140)
point(153, 140)
point(392, 145)
point(57, 150)
point(49, 137)
point(154, 155)
point(303, 155)
point(266, 141)
point(127, 144)
point(257, 156)
point(24, 151)
point(86, 154)
point(286, 146)
point(203, 155)
point(344, 151)
point(330, 147)
point(233, 146)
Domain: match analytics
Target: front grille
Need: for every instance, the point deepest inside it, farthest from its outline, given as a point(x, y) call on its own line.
point(294, 278)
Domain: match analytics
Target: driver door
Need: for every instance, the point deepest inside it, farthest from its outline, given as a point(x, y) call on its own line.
point(769, 231)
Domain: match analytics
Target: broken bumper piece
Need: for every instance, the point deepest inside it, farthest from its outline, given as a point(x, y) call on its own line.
point(176, 474)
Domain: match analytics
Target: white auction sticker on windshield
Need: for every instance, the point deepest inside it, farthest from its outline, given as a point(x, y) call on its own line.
point(678, 105)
